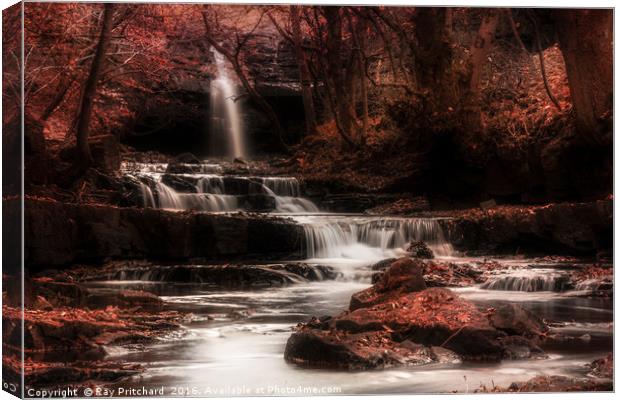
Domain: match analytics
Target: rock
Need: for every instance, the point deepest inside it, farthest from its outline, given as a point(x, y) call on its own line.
point(557, 383)
point(187, 163)
point(442, 274)
point(77, 329)
point(310, 272)
point(420, 250)
point(57, 294)
point(259, 203)
point(47, 374)
point(319, 349)
point(519, 347)
point(515, 320)
point(403, 276)
point(401, 330)
point(380, 267)
point(224, 276)
point(444, 356)
point(105, 150)
point(565, 228)
point(179, 183)
point(124, 299)
point(383, 264)
point(603, 367)
point(60, 233)
point(187, 158)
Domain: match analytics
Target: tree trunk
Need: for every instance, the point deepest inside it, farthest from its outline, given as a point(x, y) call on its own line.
point(359, 35)
point(304, 73)
point(90, 88)
point(335, 79)
point(452, 95)
point(59, 97)
point(472, 109)
point(586, 38)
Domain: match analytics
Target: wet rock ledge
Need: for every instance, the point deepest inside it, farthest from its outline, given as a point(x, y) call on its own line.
point(67, 331)
point(227, 276)
point(399, 321)
point(59, 233)
point(563, 228)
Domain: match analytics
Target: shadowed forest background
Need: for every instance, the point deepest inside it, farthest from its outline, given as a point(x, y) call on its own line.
point(465, 104)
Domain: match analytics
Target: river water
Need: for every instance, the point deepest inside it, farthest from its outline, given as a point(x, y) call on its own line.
point(235, 344)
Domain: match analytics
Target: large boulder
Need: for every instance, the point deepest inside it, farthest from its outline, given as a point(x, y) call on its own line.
point(398, 321)
point(402, 330)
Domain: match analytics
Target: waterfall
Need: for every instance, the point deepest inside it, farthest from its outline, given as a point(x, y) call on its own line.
point(282, 186)
point(170, 198)
point(292, 205)
point(213, 191)
point(147, 196)
point(210, 184)
point(225, 111)
point(528, 281)
point(371, 238)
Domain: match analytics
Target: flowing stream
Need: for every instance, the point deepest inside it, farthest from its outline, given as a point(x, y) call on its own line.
point(236, 344)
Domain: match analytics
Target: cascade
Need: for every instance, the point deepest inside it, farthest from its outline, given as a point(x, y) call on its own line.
point(212, 193)
point(371, 238)
point(225, 110)
point(536, 280)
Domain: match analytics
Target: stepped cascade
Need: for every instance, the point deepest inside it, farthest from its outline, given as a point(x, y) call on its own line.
point(204, 190)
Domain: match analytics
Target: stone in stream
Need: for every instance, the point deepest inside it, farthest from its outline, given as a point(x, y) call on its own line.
point(419, 249)
point(515, 320)
point(403, 276)
point(399, 322)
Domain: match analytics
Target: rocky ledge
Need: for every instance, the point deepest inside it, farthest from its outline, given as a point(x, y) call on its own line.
point(563, 228)
point(228, 276)
point(598, 377)
point(399, 321)
point(60, 233)
point(68, 330)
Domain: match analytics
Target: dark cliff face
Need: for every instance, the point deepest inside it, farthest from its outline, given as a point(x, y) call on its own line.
point(177, 119)
point(60, 234)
